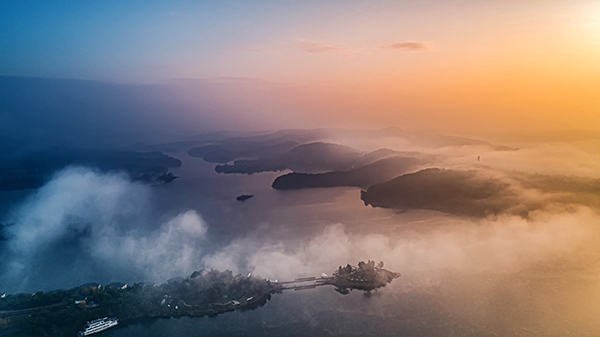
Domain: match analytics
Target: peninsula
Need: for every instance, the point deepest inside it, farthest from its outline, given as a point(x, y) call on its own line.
point(204, 293)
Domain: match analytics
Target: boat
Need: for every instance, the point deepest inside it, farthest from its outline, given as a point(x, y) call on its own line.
point(98, 325)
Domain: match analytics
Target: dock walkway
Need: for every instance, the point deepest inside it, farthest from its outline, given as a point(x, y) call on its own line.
point(304, 283)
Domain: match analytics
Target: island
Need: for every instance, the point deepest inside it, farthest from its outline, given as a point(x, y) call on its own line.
point(244, 197)
point(464, 192)
point(366, 276)
point(482, 192)
point(363, 177)
point(203, 293)
point(253, 146)
point(311, 157)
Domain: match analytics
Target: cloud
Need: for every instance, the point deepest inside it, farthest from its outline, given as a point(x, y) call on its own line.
point(314, 47)
point(409, 46)
point(506, 244)
point(171, 250)
point(321, 48)
point(68, 202)
point(104, 222)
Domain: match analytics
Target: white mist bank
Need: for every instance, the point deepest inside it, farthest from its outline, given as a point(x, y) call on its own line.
point(506, 244)
point(103, 217)
point(579, 158)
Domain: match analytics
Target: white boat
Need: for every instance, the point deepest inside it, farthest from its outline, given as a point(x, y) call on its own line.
point(98, 325)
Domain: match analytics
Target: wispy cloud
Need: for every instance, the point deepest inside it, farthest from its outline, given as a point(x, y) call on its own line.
point(410, 46)
point(322, 48)
point(246, 49)
point(314, 47)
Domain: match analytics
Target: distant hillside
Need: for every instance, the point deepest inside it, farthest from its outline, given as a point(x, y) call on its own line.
point(223, 153)
point(244, 166)
point(421, 138)
point(380, 171)
point(456, 192)
point(253, 147)
point(320, 151)
point(315, 157)
point(31, 170)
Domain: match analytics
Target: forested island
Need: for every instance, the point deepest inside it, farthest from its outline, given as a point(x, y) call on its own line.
point(470, 192)
point(378, 172)
point(204, 293)
point(481, 192)
point(366, 276)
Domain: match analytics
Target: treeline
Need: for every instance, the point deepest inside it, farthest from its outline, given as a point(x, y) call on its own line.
point(203, 293)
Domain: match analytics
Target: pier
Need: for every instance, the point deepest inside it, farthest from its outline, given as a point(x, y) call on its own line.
point(304, 283)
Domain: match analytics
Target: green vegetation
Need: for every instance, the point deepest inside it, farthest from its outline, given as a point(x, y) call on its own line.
point(367, 276)
point(63, 313)
point(464, 192)
point(363, 176)
point(204, 293)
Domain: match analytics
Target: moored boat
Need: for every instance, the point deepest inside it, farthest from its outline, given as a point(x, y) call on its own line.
point(98, 325)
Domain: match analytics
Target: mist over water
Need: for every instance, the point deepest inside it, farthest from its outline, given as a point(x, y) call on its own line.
point(86, 224)
point(499, 275)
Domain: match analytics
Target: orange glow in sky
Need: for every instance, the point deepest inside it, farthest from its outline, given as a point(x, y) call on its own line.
point(460, 66)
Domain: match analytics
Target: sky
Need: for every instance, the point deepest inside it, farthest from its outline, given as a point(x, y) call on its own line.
point(454, 65)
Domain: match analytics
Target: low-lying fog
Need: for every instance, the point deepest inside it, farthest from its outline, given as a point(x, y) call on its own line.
point(503, 275)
